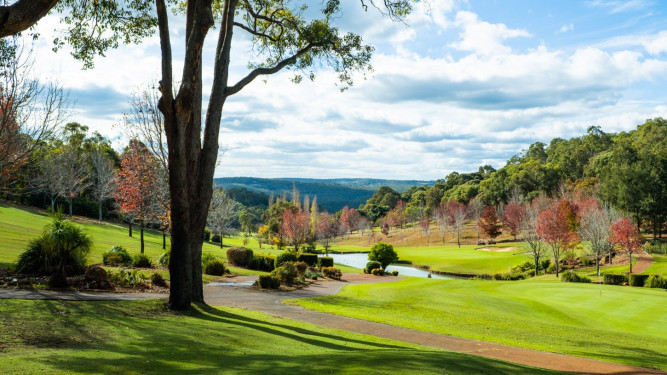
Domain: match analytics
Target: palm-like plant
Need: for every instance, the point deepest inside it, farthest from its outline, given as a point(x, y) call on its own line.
point(60, 249)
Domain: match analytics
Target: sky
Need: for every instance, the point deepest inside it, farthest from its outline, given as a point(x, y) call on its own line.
point(459, 84)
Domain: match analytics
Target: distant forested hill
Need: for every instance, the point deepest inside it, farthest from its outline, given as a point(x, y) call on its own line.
point(332, 194)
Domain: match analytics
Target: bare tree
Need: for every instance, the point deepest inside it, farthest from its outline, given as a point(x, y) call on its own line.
point(48, 179)
point(441, 220)
point(595, 230)
point(328, 228)
point(456, 216)
point(534, 248)
point(222, 209)
point(475, 209)
point(145, 123)
point(103, 175)
point(74, 175)
point(29, 110)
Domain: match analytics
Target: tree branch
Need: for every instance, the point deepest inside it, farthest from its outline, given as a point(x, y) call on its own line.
point(266, 71)
point(22, 15)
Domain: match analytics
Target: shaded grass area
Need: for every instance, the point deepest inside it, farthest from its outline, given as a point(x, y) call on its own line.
point(142, 337)
point(610, 323)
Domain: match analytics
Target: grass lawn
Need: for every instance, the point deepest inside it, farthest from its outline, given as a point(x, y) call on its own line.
point(464, 259)
point(610, 323)
point(659, 266)
point(51, 337)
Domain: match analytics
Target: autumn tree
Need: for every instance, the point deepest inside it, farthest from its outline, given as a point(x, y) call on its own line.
point(625, 234)
point(475, 209)
point(456, 216)
point(514, 215)
point(135, 192)
point(425, 225)
point(554, 227)
point(295, 227)
point(440, 215)
point(532, 243)
point(488, 222)
point(328, 228)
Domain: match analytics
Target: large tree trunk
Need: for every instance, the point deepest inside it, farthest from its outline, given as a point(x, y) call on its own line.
point(70, 208)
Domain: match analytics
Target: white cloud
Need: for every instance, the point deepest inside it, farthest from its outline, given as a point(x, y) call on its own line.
point(482, 37)
point(566, 28)
point(620, 6)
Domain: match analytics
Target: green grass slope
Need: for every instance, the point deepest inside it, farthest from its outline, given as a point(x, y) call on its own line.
point(611, 323)
point(55, 337)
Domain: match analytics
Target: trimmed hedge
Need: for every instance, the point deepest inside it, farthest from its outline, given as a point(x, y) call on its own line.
point(656, 281)
point(309, 258)
point(326, 262)
point(370, 266)
point(117, 256)
point(214, 267)
point(637, 280)
point(614, 279)
point(268, 282)
point(239, 256)
point(262, 263)
point(572, 277)
point(284, 257)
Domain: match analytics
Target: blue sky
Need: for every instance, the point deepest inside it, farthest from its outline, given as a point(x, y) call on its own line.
point(464, 83)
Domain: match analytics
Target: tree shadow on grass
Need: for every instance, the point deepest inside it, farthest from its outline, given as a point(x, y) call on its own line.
point(114, 339)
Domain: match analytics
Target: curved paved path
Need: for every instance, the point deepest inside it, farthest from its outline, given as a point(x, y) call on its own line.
point(644, 261)
point(66, 295)
point(271, 303)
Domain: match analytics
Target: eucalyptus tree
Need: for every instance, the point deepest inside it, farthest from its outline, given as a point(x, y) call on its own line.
point(283, 35)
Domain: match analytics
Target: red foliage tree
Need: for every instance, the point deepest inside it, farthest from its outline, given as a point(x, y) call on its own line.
point(489, 222)
point(554, 227)
point(513, 218)
point(326, 230)
point(295, 227)
point(135, 186)
point(625, 234)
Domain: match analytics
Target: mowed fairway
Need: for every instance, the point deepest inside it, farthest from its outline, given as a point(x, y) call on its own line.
point(52, 337)
point(465, 259)
point(611, 323)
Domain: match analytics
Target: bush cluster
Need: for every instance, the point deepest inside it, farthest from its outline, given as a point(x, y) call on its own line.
point(614, 279)
point(656, 281)
point(309, 258)
point(239, 256)
point(383, 253)
point(117, 256)
point(268, 282)
point(262, 263)
point(370, 266)
point(207, 234)
point(286, 256)
point(377, 271)
point(572, 277)
point(637, 280)
point(141, 261)
point(312, 273)
point(158, 280)
point(512, 276)
point(163, 260)
point(523, 267)
point(326, 262)
point(214, 267)
point(287, 273)
point(394, 272)
point(128, 279)
point(215, 238)
point(332, 272)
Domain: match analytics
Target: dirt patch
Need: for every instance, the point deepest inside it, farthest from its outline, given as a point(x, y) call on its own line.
point(499, 249)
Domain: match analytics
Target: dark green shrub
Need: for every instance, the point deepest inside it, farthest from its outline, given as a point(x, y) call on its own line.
point(301, 268)
point(239, 256)
point(545, 263)
point(326, 262)
point(309, 249)
point(332, 272)
point(215, 238)
point(383, 253)
point(141, 261)
point(312, 274)
point(572, 277)
point(117, 256)
point(268, 282)
point(262, 263)
point(61, 248)
point(552, 268)
point(637, 280)
point(286, 256)
point(586, 261)
point(370, 266)
point(530, 272)
point(522, 267)
point(614, 279)
point(310, 259)
point(207, 234)
point(163, 260)
point(377, 271)
point(158, 280)
point(287, 273)
point(394, 272)
point(207, 257)
point(127, 279)
point(214, 267)
point(656, 281)
point(498, 276)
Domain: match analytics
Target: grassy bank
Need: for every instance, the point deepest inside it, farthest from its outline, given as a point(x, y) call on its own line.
point(611, 323)
point(52, 337)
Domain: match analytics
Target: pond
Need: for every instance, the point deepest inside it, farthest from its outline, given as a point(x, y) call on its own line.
point(244, 283)
point(359, 260)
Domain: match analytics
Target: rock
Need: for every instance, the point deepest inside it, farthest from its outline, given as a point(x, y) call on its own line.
point(96, 274)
